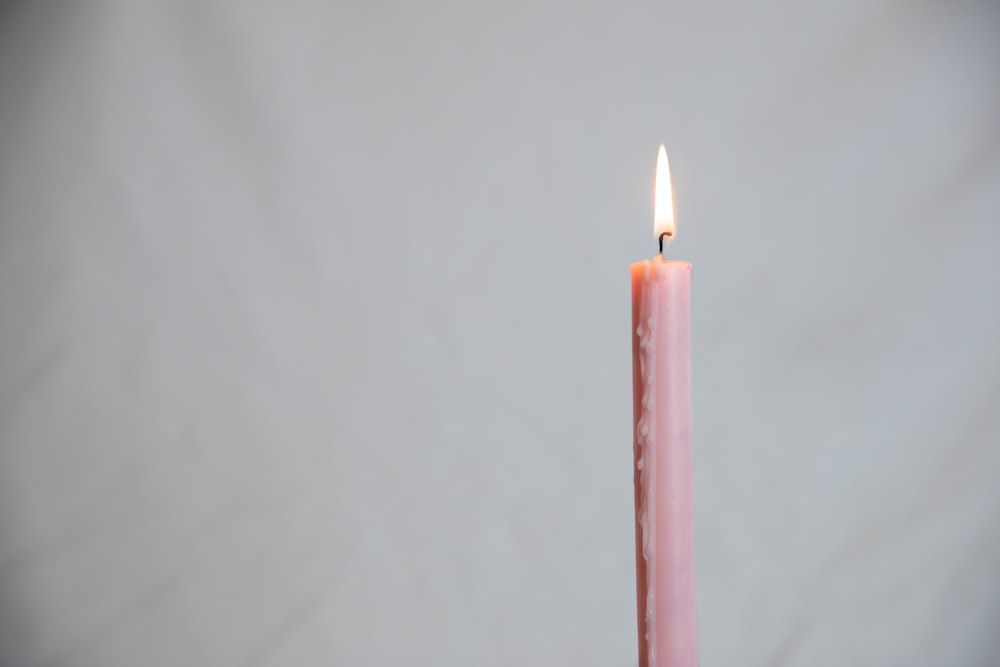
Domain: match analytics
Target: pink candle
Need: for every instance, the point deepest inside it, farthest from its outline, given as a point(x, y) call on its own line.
point(661, 370)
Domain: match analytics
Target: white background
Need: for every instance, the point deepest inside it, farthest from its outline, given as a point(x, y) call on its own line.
point(314, 318)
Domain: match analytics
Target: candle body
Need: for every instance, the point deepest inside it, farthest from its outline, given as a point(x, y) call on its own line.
point(661, 369)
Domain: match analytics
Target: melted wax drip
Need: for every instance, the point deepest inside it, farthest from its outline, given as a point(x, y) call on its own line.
point(646, 437)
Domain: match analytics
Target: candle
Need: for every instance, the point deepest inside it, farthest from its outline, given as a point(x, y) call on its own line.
point(661, 378)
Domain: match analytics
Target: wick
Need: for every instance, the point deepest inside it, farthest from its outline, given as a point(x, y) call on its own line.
point(661, 241)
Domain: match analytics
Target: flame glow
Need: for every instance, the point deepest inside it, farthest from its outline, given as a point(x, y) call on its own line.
point(663, 198)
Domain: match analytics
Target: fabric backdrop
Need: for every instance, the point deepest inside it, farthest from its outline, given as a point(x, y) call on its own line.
point(314, 329)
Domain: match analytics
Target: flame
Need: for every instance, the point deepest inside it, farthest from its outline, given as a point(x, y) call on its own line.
point(663, 199)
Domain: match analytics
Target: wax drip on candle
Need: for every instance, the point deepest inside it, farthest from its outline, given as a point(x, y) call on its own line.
point(646, 438)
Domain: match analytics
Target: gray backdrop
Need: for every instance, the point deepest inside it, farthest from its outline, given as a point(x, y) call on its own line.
point(314, 318)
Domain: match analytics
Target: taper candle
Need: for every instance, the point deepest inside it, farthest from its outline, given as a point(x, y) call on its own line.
point(661, 370)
